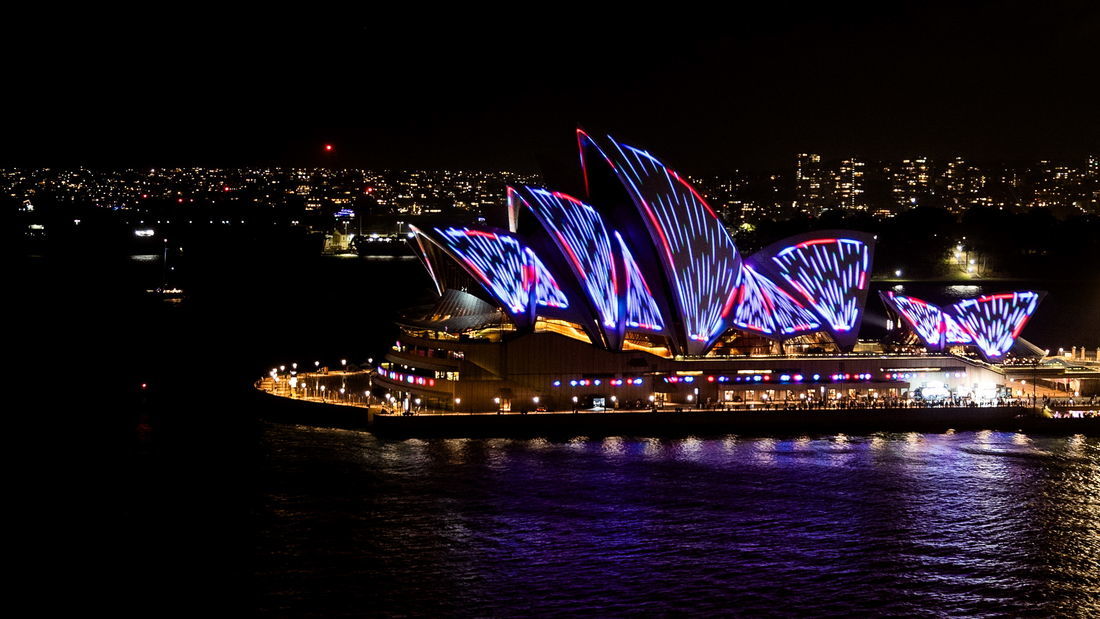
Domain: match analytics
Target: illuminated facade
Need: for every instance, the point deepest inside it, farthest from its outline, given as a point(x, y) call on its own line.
point(912, 182)
point(809, 186)
point(633, 290)
point(849, 185)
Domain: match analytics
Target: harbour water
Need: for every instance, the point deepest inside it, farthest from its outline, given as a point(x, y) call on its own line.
point(969, 524)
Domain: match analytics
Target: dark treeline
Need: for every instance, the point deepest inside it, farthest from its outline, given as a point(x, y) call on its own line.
point(922, 242)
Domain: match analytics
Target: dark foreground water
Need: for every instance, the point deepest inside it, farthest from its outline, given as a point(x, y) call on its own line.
point(965, 524)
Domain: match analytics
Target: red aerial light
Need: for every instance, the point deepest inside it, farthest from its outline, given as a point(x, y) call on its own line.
point(328, 148)
point(143, 385)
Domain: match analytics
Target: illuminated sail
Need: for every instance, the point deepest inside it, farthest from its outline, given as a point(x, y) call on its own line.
point(926, 319)
point(995, 321)
point(641, 308)
point(765, 308)
point(508, 270)
point(698, 256)
point(830, 274)
point(581, 236)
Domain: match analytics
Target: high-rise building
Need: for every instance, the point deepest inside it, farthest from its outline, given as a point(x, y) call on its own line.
point(1052, 185)
point(912, 182)
point(809, 194)
point(849, 185)
point(962, 184)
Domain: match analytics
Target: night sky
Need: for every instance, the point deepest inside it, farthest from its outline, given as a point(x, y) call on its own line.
point(504, 89)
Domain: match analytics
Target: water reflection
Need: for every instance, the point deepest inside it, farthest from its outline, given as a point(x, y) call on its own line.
point(887, 523)
point(962, 291)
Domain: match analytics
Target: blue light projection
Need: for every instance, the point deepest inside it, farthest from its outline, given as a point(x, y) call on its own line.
point(508, 270)
point(641, 307)
point(830, 274)
point(995, 321)
point(926, 319)
point(699, 257)
point(954, 333)
point(767, 309)
point(991, 322)
point(580, 234)
point(547, 291)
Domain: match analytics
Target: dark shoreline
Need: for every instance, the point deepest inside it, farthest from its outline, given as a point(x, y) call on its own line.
point(673, 424)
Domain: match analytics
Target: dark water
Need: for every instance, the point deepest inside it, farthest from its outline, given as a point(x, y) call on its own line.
point(181, 499)
point(957, 524)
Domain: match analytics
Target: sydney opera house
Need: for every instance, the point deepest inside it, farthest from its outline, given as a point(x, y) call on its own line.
point(634, 294)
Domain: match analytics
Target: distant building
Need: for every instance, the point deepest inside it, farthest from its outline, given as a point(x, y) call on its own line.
point(962, 184)
point(912, 182)
point(848, 187)
point(809, 184)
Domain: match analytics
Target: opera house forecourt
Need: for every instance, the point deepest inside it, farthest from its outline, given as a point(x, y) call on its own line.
point(633, 296)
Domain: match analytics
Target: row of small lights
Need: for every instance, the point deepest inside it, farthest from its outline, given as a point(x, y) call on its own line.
point(784, 378)
point(614, 382)
point(274, 373)
point(407, 378)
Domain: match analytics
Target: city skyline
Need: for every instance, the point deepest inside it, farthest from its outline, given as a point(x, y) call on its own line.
point(808, 186)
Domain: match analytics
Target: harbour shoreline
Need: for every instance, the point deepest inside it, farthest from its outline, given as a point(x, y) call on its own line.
point(565, 424)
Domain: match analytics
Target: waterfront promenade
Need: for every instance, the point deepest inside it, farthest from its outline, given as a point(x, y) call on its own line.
point(345, 399)
point(354, 389)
